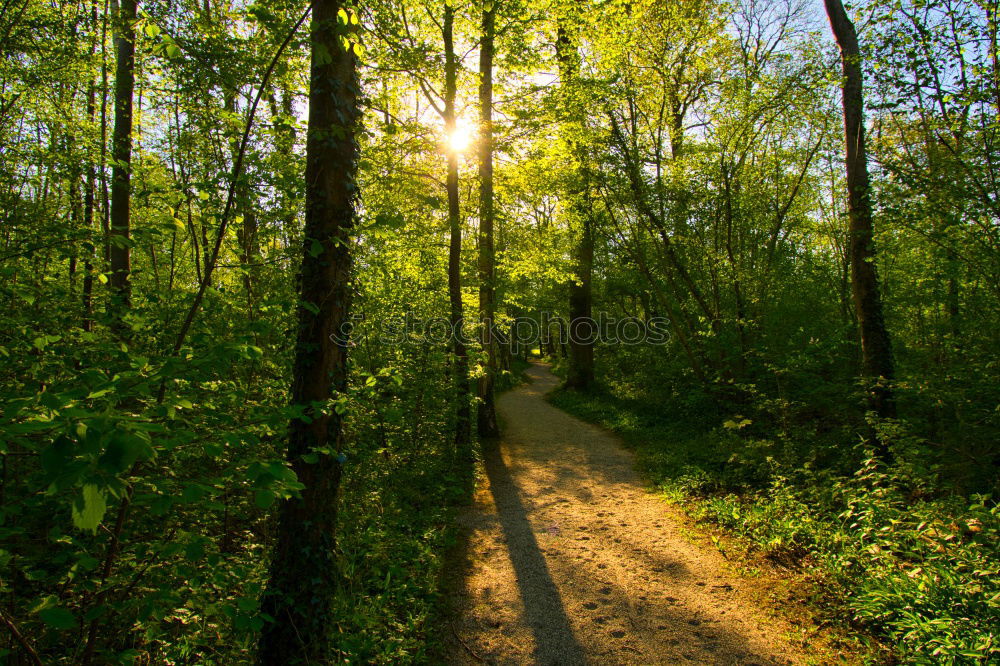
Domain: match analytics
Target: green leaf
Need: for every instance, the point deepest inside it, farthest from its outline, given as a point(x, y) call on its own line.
point(122, 451)
point(194, 492)
point(95, 612)
point(56, 456)
point(263, 498)
point(57, 617)
point(89, 508)
point(194, 551)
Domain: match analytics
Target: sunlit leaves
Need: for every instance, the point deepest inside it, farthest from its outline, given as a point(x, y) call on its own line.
point(89, 508)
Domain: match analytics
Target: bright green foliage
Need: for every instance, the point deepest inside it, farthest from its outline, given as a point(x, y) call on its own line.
point(140, 485)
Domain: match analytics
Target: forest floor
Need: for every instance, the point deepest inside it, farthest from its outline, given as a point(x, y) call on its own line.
point(568, 559)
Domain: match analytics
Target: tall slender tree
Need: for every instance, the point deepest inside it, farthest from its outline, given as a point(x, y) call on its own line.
point(486, 417)
point(303, 575)
point(580, 373)
point(463, 418)
point(90, 185)
point(876, 347)
point(121, 172)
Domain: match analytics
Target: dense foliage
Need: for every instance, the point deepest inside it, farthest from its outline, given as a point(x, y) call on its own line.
point(694, 148)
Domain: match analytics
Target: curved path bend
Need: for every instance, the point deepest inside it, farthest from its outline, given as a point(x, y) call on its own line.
point(570, 560)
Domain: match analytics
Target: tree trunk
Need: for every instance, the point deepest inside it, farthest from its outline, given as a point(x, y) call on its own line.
point(121, 154)
point(76, 219)
point(878, 366)
point(303, 575)
point(247, 232)
point(463, 417)
point(548, 345)
point(88, 210)
point(580, 373)
point(287, 146)
point(739, 364)
point(486, 416)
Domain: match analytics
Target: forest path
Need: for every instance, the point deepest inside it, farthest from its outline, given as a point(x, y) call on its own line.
point(569, 560)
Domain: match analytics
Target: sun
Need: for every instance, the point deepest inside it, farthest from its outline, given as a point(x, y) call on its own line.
point(460, 139)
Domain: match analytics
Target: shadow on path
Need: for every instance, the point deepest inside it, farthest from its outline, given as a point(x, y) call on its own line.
point(555, 642)
point(567, 559)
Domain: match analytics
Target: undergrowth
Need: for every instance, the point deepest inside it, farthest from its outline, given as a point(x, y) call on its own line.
point(395, 544)
point(892, 552)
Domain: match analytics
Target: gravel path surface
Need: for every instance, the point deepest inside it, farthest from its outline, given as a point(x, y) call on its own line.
point(569, 560)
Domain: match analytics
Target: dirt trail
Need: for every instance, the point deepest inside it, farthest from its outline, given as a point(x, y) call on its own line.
point(570, 561)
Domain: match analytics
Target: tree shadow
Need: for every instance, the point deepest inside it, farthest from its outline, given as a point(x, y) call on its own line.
point(555, 642)
point(614, 590)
